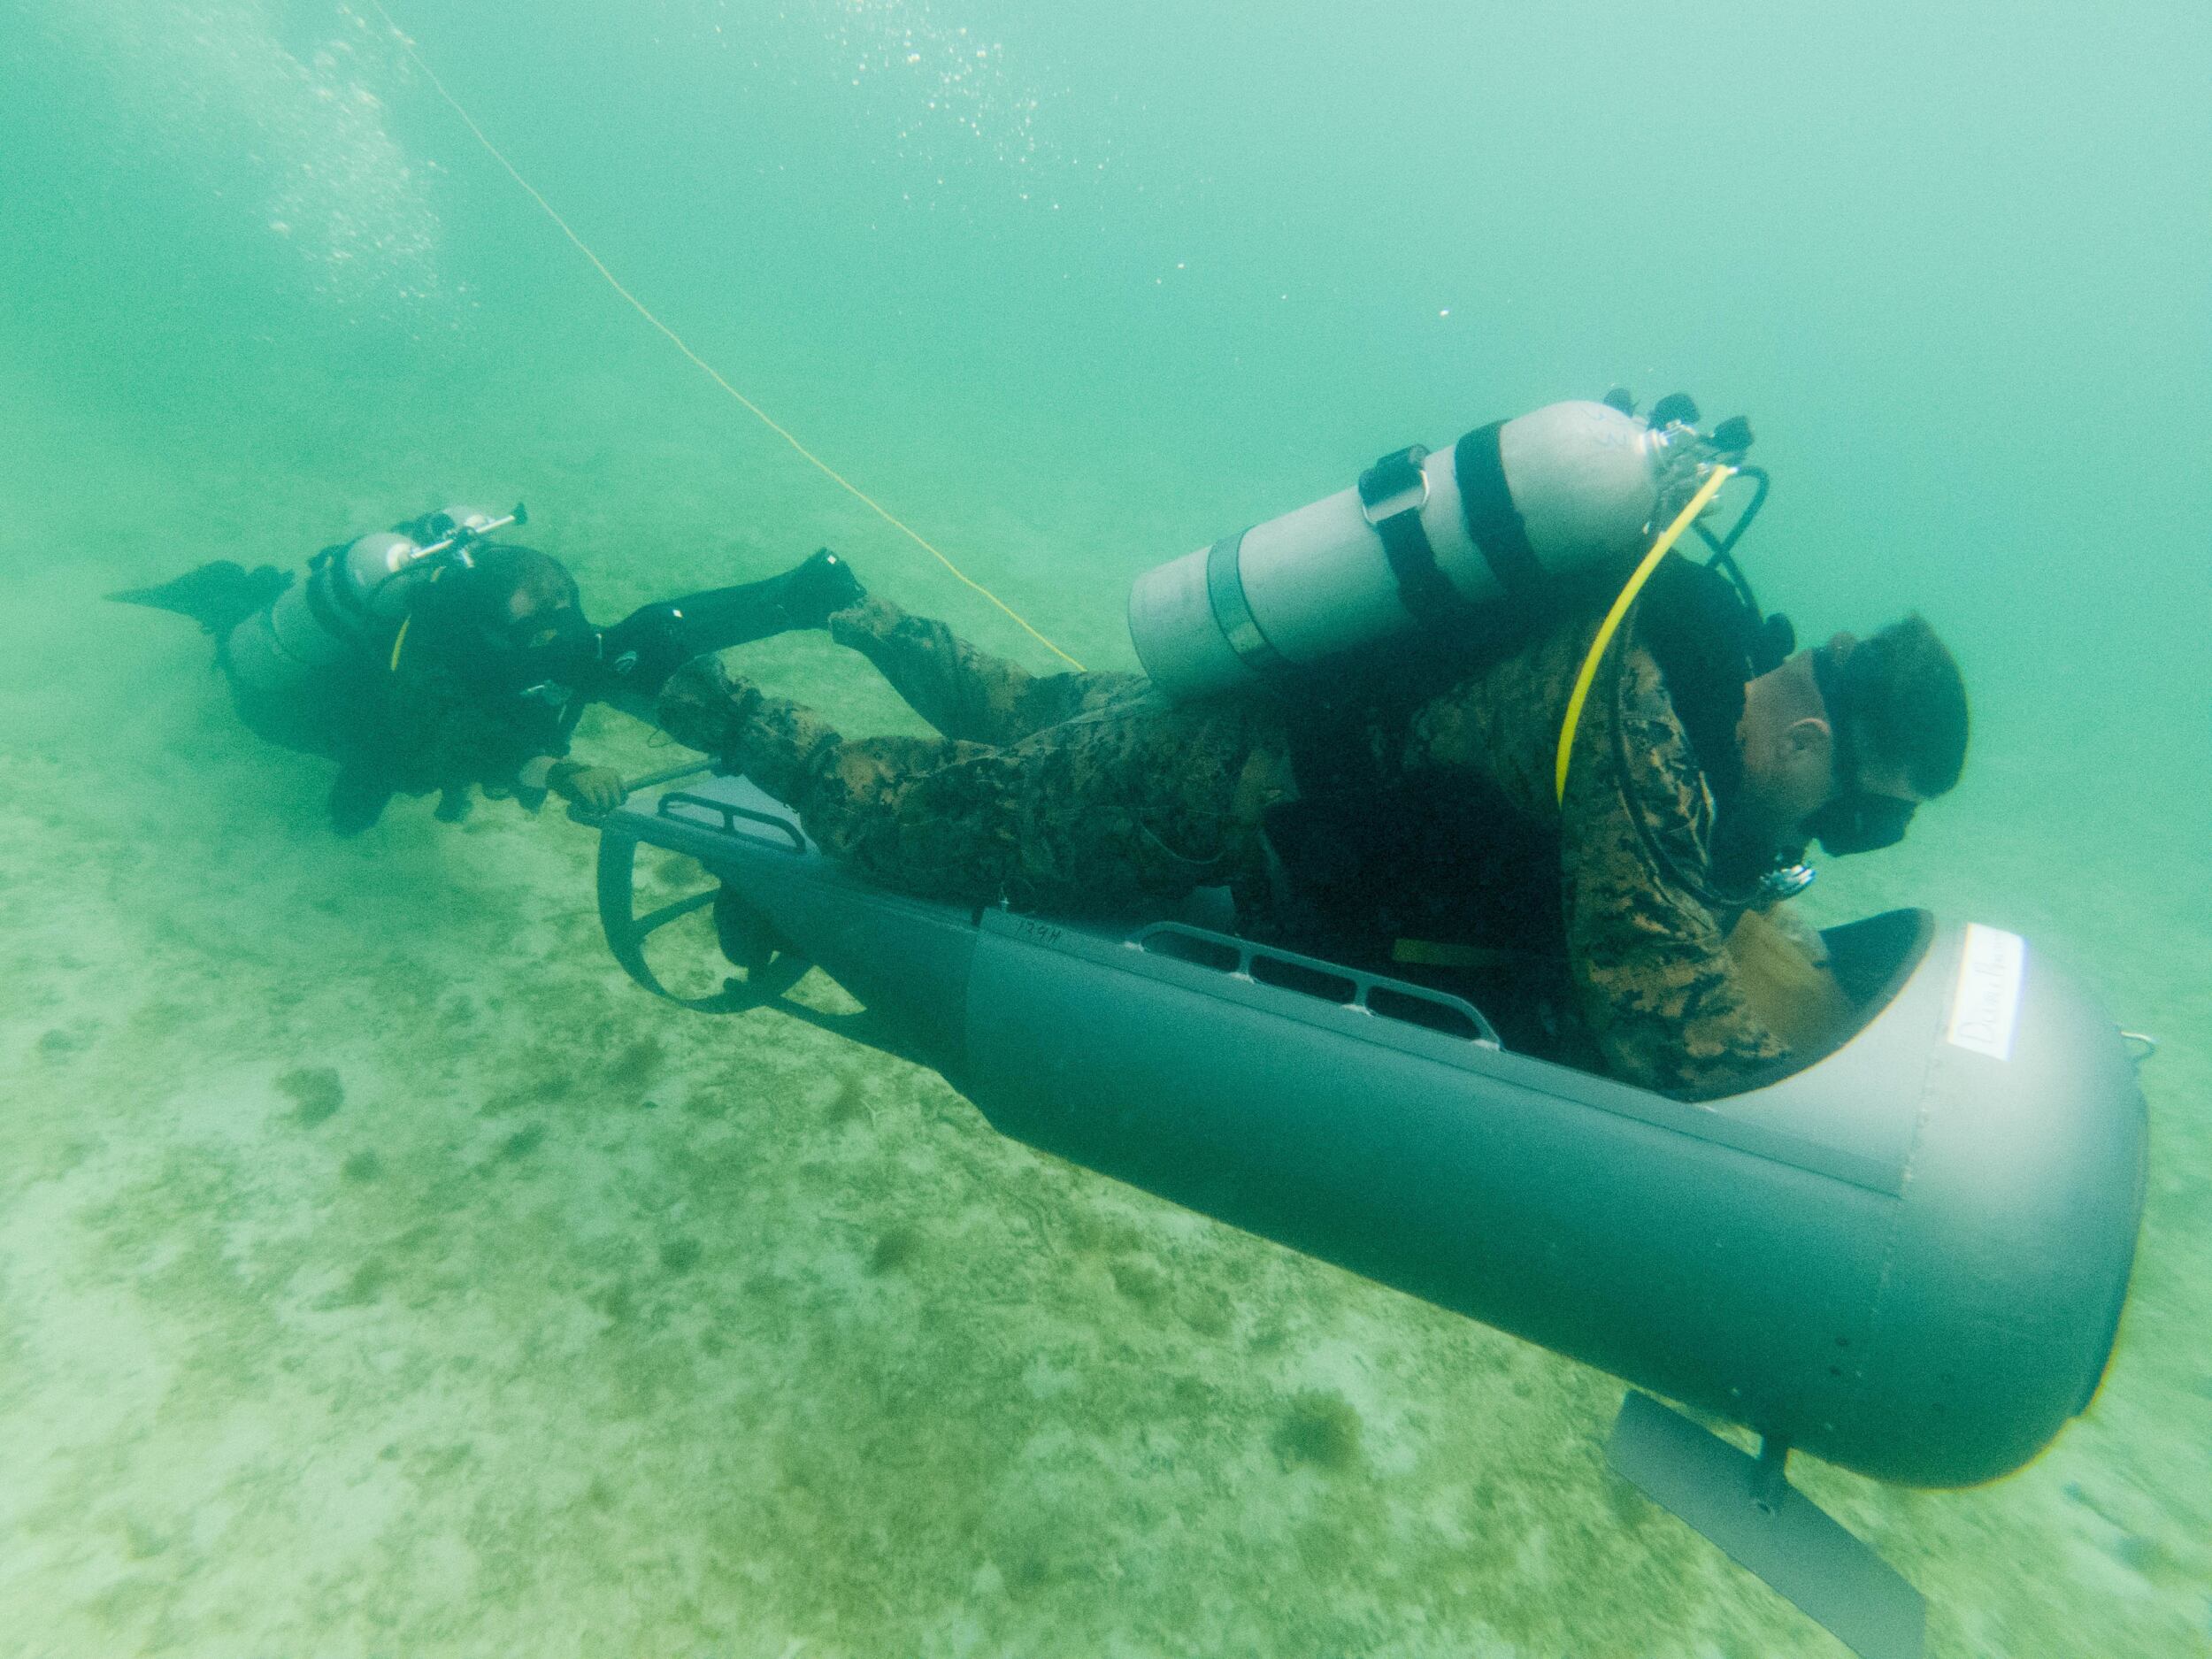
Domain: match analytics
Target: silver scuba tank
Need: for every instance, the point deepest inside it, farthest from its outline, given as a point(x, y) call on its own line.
point(351, 601)
point(1511, 507)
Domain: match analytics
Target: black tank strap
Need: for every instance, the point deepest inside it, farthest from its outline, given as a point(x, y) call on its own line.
point(1493, 521)
point(1391, 494)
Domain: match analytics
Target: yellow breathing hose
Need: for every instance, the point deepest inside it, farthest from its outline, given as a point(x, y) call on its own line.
point(399, 642)
point(1668, 537)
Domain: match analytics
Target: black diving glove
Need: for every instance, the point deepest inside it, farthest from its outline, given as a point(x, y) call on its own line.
point(639, 652)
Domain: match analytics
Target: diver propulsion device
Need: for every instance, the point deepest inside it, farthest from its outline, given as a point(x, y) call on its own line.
point(352, 598)
point(1425, 540)
point(1908, 1258)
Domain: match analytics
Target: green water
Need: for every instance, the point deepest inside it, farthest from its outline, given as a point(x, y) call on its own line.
point(381, 1274)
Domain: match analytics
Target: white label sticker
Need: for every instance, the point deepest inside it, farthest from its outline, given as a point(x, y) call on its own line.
point(1988, 998)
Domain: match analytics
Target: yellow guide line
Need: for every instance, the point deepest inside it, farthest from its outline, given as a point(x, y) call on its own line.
point(1668, 537)
point(407, 45)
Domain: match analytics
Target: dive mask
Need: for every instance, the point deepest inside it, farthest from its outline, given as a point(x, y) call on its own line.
point(1854, 820)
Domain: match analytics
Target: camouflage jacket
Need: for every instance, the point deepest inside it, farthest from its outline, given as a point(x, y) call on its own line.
point(1629, 851)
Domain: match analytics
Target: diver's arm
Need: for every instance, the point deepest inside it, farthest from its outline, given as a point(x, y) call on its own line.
point(1651, 964)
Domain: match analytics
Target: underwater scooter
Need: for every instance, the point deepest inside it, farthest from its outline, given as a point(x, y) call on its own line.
point(1908, 1258)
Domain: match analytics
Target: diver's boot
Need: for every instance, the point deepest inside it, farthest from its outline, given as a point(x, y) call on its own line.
point(773, 740)
point(218, 597)
point(639, 652)
point(703, 708)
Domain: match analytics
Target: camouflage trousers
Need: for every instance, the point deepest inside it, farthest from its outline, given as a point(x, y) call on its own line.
point(1080, 793)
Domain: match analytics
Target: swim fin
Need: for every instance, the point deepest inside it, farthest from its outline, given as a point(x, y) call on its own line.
point(217, 596)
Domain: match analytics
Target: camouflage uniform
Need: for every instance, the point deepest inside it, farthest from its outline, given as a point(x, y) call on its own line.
point(1080, 793)
point(1089, 793)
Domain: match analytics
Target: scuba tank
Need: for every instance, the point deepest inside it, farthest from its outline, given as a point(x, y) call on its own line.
point(354, 598)
point(1426, 540)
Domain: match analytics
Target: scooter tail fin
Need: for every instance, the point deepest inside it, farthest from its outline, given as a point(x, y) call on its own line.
point(1746, 1506)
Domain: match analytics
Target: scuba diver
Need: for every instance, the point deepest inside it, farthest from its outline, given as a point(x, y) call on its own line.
point(433, 658)
point(1405, 819)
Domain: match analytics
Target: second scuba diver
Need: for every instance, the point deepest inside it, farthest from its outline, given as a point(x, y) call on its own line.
point(433, 659)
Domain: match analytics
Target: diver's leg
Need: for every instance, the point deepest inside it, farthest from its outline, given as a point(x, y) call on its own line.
point(639, 652)
point(1118, 818)
point(1088, 818)
point(963, 692)
point(772, 740)
point(855, 799)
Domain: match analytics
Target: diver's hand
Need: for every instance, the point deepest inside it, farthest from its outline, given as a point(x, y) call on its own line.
point(594, 791)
